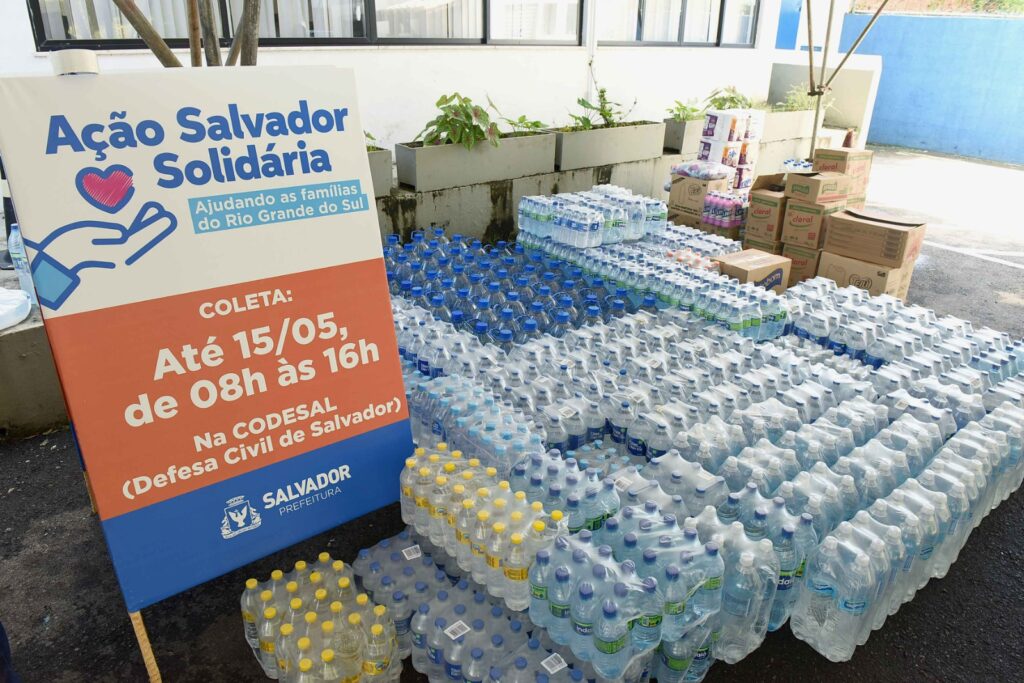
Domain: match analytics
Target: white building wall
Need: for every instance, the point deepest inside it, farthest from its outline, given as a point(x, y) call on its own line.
point(398, 85)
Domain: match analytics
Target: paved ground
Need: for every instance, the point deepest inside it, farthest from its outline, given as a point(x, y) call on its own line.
point(60, 603)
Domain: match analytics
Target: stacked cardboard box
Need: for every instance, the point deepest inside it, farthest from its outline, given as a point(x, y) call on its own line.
point(686, 198)
point(871, 250)
point(765, 213)
point(810, 199)
point(855, 163)
point(770, 271)
point(733, 137)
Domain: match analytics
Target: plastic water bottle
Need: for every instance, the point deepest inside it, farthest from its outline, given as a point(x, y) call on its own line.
point(611, 641)
point(16, 246)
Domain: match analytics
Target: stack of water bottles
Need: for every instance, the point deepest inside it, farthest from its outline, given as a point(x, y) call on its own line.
point(725, 210)
point(453, 629)
point(607, 214)
point(312, 625)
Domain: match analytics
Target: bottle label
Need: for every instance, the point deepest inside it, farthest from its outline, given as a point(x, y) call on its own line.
point(559, 610)
point(375, 667)
point(267, 646)
point(457, 630)
point(407, 491)
point(422, 502)
point(653, 453)
point(454, 671)
point(493, 562)
point(424, 367)
point(434, 654)
point(823, 590)
point(702, 653)
point(554, 663)
point(402, 625)
point(460, 536)
point(926, 551)
point(853, 606)
point(595, 433)
point(618, 434)
point(582, 628)
point(636, 446)
point(675, 608)
point(801, 568)
point(594, 523)
point(477, 549)
point(412, 552)
point(538, 592)
point(451, 518)
point(786, 578)
point(712, 583)
point(516, 573)
point(675, 663)
point(419, 640)
point(575, 441)
point(438, 511)
point(437, 428)
point(610, 647)
point(649, 620)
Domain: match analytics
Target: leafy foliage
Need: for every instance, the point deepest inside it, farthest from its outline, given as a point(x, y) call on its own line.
point(460, 123)
point(685, 112)
point(606, 112)
point(797, 99)
point(371, 142)
point(727, 98)
point(520, 124)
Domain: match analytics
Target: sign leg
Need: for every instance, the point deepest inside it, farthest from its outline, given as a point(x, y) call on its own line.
point(147, 650)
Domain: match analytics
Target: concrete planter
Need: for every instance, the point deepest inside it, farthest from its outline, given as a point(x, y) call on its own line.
point(604, 146)
point(787, 125)
point(380, 171)
point(682, 136)
point(435, 167)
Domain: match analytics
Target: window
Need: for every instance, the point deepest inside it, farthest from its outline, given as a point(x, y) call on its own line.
point(738, 24)
point(700, 24)
point(98, 24)
point(431, 19)
point(674, 22)
point(555, 21)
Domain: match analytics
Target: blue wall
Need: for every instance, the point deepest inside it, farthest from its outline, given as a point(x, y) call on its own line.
point(949, 84)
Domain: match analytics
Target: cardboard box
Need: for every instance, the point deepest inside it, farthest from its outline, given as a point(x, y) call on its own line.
point(856, 163)
point(770, 271)
point(805, 263)
point(721, 152)
point(689, 193)
point(804, 224)
point(680, 215)
point(817, 188)
point(767, 208)
point(856, 202)
point(870, 276)
point(769, 247)
point(875, 236)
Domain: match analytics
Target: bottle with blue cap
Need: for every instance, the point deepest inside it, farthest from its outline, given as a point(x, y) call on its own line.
point(611, 641)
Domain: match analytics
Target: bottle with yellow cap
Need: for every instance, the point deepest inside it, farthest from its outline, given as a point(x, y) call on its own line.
point(250, 606)
point(268, 630)
point(516, 572)
point(453, 506)
point(497, 545)
point(300, 574)
point(377, 652)
point(363, 605)
point(328, 636)
point(276, 584)
point(323, 564)
point(329, 666)
point(438, 510)
point(336, 614)
point(308, 625)
point(316, 582)
point(407, 481)
point(285, 650)
point(321, 602)
point(346, 590)
point(350, 648)
point(478, 544)
point(295, 612)
point(463, 531)
point(421, 493)
point(305, 673)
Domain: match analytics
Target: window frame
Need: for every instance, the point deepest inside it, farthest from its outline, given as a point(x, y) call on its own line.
point(679, 42)
point(44, 44)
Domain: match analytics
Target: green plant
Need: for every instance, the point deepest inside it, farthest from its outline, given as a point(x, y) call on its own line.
point(371, 142)
point(520, 124)
point(797, 99)
point(727, 98)
point(460, 123)
point(685, 112)
point(609, 113)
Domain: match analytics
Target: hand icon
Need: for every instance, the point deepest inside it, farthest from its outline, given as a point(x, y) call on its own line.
point(94, 244)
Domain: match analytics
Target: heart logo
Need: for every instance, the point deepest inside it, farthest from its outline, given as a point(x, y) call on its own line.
point(107, 189)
